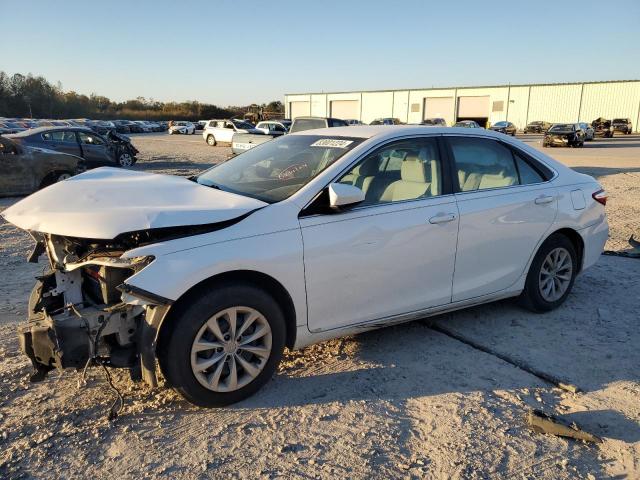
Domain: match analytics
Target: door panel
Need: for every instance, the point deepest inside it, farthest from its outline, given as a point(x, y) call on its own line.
point(499, 231)
point(378, 261)
point(95, 151)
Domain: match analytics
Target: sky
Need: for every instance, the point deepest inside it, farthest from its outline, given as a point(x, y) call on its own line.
point(238, 52)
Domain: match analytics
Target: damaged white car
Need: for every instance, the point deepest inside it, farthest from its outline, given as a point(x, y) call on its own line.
point(310, 236)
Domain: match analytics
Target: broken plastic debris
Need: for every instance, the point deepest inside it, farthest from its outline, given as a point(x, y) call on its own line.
point(542, 423)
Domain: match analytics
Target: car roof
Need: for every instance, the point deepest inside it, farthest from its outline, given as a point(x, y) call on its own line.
point(391, 131)
point(37, 130)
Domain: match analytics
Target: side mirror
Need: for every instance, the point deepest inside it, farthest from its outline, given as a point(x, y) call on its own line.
point(342, 195)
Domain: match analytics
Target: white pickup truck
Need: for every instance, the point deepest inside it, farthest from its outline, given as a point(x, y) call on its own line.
point(223, 130)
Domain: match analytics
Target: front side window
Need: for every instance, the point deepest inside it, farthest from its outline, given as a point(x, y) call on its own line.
point(87, 139)
point(400, 171)
point(275, 170)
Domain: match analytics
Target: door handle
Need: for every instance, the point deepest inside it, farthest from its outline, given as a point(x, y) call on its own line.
point(541, 200)
point(443, 218)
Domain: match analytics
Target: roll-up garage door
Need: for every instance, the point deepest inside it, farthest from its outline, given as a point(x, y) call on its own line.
point(473, 107)
point(299, 109)
point(345, 109)
point(439, 107)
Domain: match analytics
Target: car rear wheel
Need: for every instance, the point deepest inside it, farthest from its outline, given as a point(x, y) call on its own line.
point(551, 275)
point(226, 346)
point(211, 140)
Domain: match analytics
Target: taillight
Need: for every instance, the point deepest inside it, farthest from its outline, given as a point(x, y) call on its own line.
point(600, 196)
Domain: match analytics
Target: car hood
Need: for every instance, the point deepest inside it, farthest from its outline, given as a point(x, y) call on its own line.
point(106, 202)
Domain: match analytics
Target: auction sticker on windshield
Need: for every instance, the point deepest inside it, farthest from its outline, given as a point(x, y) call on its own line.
point(332, 143)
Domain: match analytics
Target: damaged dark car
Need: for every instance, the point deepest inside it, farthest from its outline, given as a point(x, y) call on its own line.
point(564, 135)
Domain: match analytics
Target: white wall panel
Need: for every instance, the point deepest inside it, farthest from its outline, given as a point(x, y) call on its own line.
point(376, 105)
point(517, 107)
point(611, 100)
point(344, 109)
point(319, 105)
point(554, 103)
point(401, 104)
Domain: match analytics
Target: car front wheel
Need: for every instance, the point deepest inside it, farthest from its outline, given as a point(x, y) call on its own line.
point(125, 160)
point(225, 346)
point(551, 275)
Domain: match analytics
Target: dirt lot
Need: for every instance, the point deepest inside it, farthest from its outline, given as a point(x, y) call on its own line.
point(407, 401)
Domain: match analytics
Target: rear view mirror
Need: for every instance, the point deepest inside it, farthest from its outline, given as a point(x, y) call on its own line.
point(343, 195)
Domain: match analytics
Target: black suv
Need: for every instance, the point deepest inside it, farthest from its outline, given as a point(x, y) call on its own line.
point(537, 127)
point(621, 125)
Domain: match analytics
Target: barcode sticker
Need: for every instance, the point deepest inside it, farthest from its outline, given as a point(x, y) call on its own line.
point(332, 143)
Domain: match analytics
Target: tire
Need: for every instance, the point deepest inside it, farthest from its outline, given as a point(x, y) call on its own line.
point(181, 359)
point(55, 177)
point(211, 140)
point(125, 160)
point(532, 296)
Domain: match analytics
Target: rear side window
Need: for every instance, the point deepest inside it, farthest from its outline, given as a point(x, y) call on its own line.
point(483, 164)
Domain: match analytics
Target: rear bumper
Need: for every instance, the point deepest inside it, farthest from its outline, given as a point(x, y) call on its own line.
point(594, 237)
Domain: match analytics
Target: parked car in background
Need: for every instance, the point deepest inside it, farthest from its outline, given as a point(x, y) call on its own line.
point(588, 130)
point(507, 128)
point(467, 124)
point(200, 124)
point(181, 127)
point(135, 127)
point(434, 122)
point(308, 237)
point(24, 169)
point(146, 128)
point(223, 130)
point(537, 127)
point(564, 135)
point(112, 149)
point(386, 121)
point(622, 125)
point(273, 127)
point(122, 126)
point(10, 127)
point(353, 122)
point(311, 123)
point(602, 127)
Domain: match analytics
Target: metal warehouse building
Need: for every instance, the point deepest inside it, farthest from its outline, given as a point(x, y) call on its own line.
point(520, 104)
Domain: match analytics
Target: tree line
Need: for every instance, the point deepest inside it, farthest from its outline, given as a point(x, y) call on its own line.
point(29, 96)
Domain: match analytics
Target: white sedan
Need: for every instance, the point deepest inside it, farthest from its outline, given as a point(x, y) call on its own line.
point(184, 128)
point(311, 236)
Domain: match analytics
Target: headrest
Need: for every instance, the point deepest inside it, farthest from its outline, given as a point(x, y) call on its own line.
point(413, 169)
point(368, 168)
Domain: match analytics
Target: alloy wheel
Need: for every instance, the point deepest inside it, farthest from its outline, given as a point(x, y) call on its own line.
point(555, 274)
point(231, 349)
point(125, 160)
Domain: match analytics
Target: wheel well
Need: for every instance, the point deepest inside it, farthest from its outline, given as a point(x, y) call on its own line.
point(576, 240)
point(245, 277)
point(50, 178)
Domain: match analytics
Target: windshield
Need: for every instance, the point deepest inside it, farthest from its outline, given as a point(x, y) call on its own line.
point(275, 170)
point(619, 120)
point(242, 125)
point(501, 124)
point(561, 127)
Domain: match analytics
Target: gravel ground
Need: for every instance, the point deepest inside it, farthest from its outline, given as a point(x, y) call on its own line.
point(407, 401)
